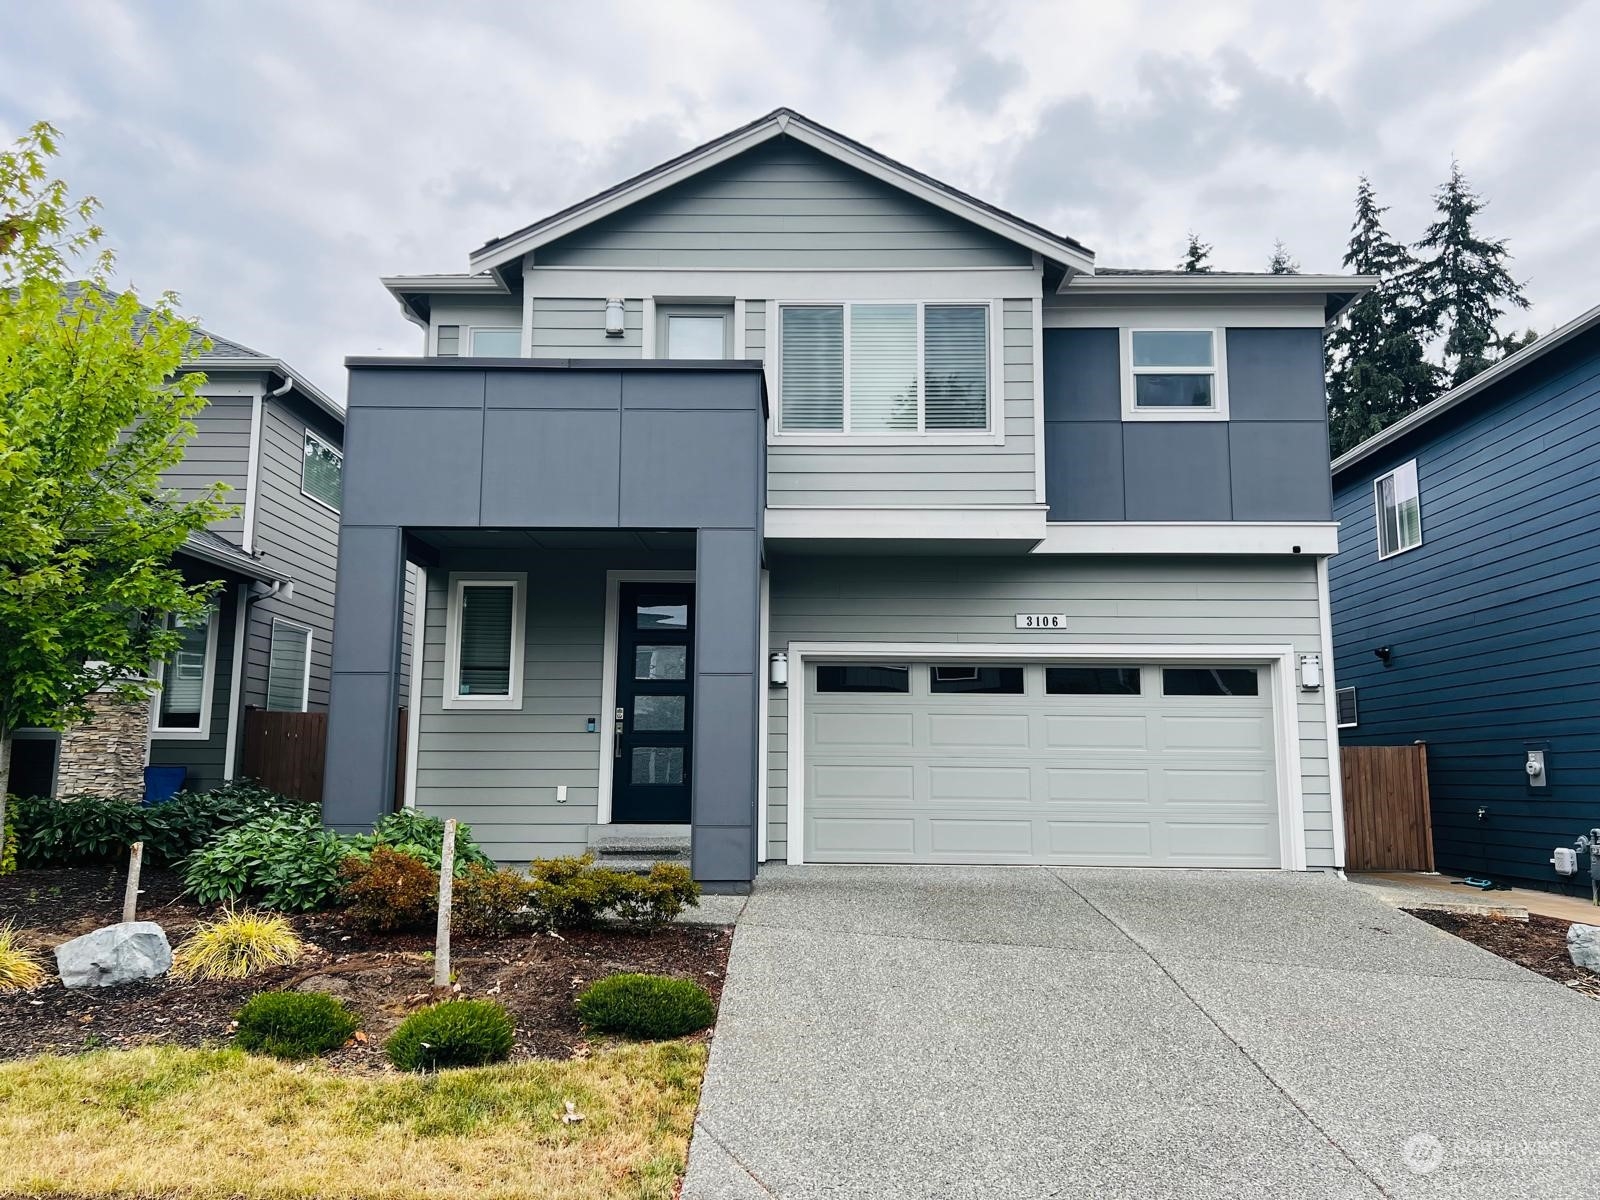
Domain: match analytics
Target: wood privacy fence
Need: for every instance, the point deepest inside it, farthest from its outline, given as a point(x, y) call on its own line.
point(287, 751)
point(1387, 820)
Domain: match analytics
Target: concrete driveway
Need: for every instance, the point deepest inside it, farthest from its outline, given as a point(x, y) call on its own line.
point(1031, 1032)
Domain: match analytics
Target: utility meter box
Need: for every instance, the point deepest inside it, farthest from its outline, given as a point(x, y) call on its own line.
point(1565, 860)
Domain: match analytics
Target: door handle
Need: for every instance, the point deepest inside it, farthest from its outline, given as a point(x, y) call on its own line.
point(616, 737)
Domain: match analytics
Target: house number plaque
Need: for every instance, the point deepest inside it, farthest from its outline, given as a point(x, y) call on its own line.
point(1041, 621)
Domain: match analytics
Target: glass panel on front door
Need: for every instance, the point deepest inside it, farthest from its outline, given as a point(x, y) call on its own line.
point(653, 726)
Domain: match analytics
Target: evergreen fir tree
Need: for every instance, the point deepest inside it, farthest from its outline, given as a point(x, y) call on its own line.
point(1196, 256)
point(1281, 263)
point(1464, 286)
point(1377, 371)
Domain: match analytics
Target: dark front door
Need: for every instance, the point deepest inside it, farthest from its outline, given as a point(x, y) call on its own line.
point(654, 721)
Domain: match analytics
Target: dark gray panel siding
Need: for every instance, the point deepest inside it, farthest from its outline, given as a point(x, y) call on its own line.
point(781, 205)
point(299, 537)
point(1267, 462)
point(1494, 621)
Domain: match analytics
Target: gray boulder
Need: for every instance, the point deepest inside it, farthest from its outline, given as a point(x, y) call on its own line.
point(122, 953)
point(1583, 944)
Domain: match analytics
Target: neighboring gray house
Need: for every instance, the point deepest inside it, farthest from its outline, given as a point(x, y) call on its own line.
point(278, 442)
point(793, 504)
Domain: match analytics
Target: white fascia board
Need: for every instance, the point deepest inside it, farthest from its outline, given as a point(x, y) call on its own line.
point(810, 283)
point(1022, 522)
point(501, 253)
point(1190, 282)
point(1551, 341)
point(402, 287)
point(1190, 537)
point(271, 366)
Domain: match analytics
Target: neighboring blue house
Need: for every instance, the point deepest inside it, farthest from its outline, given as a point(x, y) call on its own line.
point(1466, 604)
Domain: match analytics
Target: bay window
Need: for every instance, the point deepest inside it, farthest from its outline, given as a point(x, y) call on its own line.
point(884, 369)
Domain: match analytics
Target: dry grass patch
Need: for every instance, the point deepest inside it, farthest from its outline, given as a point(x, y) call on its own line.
point(217, 1123)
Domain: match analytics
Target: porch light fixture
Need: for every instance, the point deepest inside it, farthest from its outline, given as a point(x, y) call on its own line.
point(778, 669)
point(614, 325)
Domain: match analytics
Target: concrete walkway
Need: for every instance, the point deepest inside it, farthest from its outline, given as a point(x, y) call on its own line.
point(1022, 1032)
point(1412, 889)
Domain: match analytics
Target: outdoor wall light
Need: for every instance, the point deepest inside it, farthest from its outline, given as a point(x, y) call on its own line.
point(778, 669)
point(614, 325)
point(1384, 654)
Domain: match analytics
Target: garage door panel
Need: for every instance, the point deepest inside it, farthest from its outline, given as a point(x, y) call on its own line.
point(979, 730)
point(1091, 842)
point(1216, 734)
point(864, 783)
point(863, 839)
point(979, 784)
point(1221, 788)
point(862, 728)
point(1223, 843)
point(981, 841)
point(1091, 732)
point(1096, 785)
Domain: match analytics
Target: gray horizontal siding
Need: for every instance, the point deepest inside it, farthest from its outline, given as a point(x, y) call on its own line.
point(219, 451)
point(576, 328)
point(499, 770)
point(915, 473)
point(1214, 601)
point(782, 205)
point(299, 537)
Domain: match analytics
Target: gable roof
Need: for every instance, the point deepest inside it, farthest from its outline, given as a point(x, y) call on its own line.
point(782, 122)
point(1483, 380)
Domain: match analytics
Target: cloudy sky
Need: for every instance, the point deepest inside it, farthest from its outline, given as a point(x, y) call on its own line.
point(269, 161)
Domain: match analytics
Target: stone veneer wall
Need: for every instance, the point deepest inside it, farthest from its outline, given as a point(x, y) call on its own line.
point(105, 756)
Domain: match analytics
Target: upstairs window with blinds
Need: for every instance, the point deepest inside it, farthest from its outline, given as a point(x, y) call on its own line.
point(322, 473)
point(484, 650)
point(884, 369)
point(289, 667)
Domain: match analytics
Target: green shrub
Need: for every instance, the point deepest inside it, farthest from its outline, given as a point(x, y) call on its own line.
point(8, 846)
point(80, 830)
point(389, 889)
point(294, 1024)
point(421, 836)
point(287, 861)
point(646, 1006)
point(489, 903)
point(456, 1033)
point(573, 892)
point(656, 898)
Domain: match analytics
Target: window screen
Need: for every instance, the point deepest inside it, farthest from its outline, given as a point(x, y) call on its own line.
point(1349, 715)
point(486, 614)
point(1091, 681)
point(286, 667)
point(322, 475)
point(1209, 681)
point(993, 681)
point(863, 677)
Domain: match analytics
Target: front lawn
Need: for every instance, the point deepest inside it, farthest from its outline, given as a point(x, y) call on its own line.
point(165, 1121)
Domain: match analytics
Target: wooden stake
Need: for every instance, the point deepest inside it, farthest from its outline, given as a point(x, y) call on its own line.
point(130, 898)
point(447, 869)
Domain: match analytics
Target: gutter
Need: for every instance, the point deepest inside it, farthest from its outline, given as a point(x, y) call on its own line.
point(272, 366)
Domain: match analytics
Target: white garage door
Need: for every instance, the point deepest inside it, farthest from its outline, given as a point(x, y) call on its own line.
point(1146, 764)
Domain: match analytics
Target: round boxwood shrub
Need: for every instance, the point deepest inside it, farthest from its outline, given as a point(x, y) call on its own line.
point(646, 1006)
point(294, 1024)
point(455, 1033)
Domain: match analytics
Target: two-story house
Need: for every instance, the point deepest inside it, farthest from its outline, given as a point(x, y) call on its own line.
point(277, 441)
point(1466, 614)
point(787, 500)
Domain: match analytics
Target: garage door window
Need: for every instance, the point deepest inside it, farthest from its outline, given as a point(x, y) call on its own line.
point(993, 681)
point(1091, 681)
point(863, 677)
point(1209, 681)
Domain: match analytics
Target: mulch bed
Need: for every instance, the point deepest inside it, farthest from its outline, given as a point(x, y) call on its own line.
point(382, 976)
point(1539, 945)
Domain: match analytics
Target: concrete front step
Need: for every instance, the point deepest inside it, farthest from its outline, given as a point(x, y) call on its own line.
point(638, 847)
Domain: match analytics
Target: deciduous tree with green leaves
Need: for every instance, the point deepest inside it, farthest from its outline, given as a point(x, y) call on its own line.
point(1377, 370)
point(93, 411)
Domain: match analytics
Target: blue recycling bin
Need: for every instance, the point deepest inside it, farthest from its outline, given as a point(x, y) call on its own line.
point(163, 783)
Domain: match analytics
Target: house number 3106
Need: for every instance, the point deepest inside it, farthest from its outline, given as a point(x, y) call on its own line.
point(1041, 621)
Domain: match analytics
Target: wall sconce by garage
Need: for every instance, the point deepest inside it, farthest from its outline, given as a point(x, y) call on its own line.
point(1385, 655)
point(614, 324)
point(1310, 672)
point(778, 669)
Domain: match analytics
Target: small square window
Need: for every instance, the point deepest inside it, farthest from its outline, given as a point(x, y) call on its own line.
point(863, 677)
point(1398, 502)
point(1349, 714)
point(496, 343)
point(1209, 681)
point(1173, 374)
point(990, 681)
point(447, 343)
point(1091, 681)
point(484, 641)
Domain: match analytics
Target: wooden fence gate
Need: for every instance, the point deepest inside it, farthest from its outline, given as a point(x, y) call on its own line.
point(286, 751)
point(1387, 820)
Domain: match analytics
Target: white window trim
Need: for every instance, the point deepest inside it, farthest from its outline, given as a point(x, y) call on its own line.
point(1355, 700)
point(311, 436)
point(1218, 370)
point(1284, 696)
point(466, 332)
point(305, 682)
point(458, 583)
point(993, 434)
point(203, 731)
point(1377, 508)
